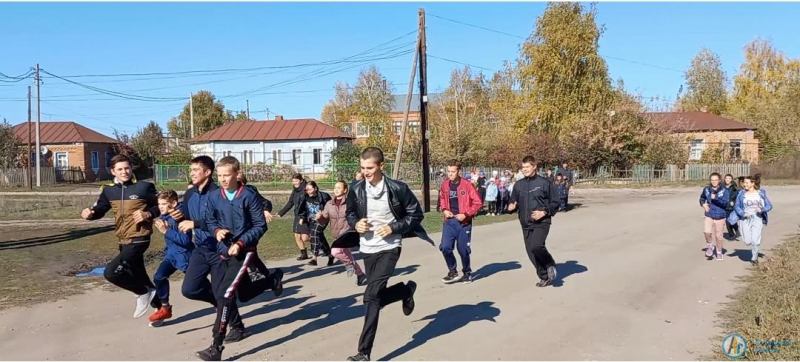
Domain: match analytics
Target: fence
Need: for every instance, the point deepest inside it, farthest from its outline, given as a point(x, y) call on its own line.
point(18, 177)
point(280, 176)
point(642, 174)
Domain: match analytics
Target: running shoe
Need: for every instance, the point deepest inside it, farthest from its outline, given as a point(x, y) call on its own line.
point(452, 277)
point(212, 353)
point(719, 255)
point(143, 302)
point(709, 250)
point(359, 357)
point(160, 315)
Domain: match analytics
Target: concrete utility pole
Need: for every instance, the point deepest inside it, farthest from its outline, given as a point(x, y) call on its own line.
point(191, 114)
point(38, 120)
point(28, 153)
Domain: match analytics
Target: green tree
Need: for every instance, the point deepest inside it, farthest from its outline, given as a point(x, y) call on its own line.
point(460, 118)
point(339, 110)
point(9, 146)
point(706, 84)
point(209, 113)
point(561, 74)
point(149, 143)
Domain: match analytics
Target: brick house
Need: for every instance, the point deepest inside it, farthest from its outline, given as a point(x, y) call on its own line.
point(69, 145)
point(735, 141)
point(361, 132)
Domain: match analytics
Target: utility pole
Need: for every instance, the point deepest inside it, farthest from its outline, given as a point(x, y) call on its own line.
point(248, 109)
point(423, 113)
point(38, 120)
point(28, 153)
point(191, 114)
point(396, 170)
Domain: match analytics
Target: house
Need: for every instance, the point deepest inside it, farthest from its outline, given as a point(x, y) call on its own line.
point(703, 132)
point(396, 113)
point(304, 144)
point(67, 144)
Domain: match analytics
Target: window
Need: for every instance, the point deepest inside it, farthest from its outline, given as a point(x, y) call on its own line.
point(348, 128)
point(413, 127)
point(62, 159)
point(95, 161)
point(397, 127)
point(296, 156)
point(695, 149)
point(736, 150)
point(276, 157)
point(247, 157)
point(108, 160)
point(317, 156)
point(378, 130)
point(362, 130)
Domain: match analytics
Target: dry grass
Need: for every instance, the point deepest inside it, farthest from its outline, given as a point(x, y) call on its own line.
point(767, 308)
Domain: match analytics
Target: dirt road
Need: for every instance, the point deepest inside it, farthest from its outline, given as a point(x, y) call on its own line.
point(633, 284)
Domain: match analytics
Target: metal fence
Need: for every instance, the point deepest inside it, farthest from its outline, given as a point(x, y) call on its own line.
point(18, 177)
point(280, 176)
point(643, 174)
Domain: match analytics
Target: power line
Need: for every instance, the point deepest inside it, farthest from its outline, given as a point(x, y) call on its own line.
point(462, 63)
point(522, 37)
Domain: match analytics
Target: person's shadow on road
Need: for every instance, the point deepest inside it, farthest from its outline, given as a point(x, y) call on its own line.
point(494, 268)
point(447, 321)
point(566, 269)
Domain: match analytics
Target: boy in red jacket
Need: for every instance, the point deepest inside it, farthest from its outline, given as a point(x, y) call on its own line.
point(460, 203)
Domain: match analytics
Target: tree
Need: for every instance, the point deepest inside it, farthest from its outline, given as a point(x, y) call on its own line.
point(339, 110)
point(706, 84)
point(149, 143)
point(372, 101)
point(459, 120)
point(763, 96)
point(9, 146)
point(239, 116)
point(209, 113)
point(561, 74)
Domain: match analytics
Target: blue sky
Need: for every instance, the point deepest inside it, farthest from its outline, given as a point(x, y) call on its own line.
point(85, 39)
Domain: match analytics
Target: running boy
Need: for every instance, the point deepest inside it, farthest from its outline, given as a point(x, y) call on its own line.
point(134, 205)
point(236, 219)
point(561, 185)
point(177, 250)
point(460, 204)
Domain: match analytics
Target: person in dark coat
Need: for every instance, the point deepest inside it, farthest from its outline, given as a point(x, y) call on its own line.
point(301, 230)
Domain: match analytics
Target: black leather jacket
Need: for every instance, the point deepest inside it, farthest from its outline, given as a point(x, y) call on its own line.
point(404, 205)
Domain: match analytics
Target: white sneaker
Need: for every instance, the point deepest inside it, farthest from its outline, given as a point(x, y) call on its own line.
point(143, 303)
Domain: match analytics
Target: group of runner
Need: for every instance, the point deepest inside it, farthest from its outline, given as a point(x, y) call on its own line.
point(742, 212)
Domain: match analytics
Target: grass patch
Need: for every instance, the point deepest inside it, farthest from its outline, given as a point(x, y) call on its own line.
point(39, 265)
point(766, 310)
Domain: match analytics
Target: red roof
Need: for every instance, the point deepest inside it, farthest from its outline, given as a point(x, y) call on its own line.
point(60, 132)
point(273, 130)
point(697, 122)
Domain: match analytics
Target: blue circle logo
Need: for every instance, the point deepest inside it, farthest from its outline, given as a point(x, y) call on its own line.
point(734, 345)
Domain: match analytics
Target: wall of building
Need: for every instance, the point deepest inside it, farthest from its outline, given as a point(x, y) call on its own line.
point(263, 152)
point(80, 155)
point(749, 144)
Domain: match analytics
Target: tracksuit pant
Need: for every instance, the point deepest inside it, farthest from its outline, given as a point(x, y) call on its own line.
point(379, 267)
point(196, 286)
point(128, 271)
point(751, 229)
point(456, 236)
point(235, 269)
point(161, 279)
point(537, 251)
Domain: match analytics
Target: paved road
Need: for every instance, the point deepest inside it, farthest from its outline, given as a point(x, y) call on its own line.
point(634, 284)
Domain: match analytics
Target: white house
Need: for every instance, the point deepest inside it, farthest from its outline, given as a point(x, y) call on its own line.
point(303, 143)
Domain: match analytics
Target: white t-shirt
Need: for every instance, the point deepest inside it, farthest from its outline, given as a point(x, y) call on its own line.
point(379, 214)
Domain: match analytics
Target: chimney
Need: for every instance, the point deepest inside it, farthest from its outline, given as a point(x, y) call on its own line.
point(279, 118)
point(704, 109)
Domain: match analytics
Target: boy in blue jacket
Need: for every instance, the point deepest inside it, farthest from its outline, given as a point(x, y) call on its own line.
point(714, 199)
point(235, 218)
point(178, 247)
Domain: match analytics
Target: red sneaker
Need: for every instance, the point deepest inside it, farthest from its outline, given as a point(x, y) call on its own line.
point(161, 314)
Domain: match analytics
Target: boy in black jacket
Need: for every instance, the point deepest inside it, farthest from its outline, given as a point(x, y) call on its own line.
point(538, 201)
point(235, 217)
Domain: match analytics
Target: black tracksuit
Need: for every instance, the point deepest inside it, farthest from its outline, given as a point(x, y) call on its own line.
point(531, 194)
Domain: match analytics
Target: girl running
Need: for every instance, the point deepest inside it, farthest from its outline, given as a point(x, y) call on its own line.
point(714, 199)
point(295, 200)
point(309, 209)
point(733, 190)
point(335, 214)
point(752, 206)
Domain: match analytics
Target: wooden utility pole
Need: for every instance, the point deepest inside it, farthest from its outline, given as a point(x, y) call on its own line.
point(423, 113)
point(28, 154)
point(38, 120)
point(191, 114)
point(396, 170)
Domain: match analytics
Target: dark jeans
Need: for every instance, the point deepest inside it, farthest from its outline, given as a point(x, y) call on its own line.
point(196, 285)
point(537, 251)
point(235, 269)
point(128, 272)
point(456, 236)
point(161, 279)
point(379, 267)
